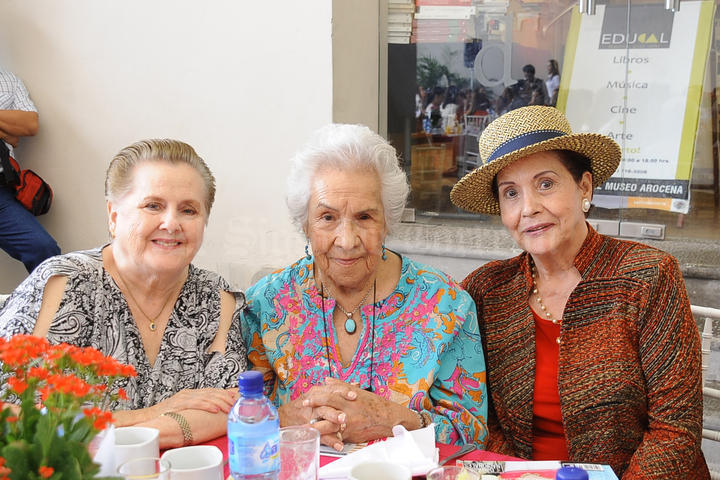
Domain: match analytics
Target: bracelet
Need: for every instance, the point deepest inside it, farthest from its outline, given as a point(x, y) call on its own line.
point(184, 426)
point(425, 418)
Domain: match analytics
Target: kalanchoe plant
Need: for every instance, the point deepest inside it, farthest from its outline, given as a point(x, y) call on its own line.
point(63, 393)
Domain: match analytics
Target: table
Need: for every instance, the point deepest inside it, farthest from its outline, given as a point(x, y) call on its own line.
point(445, 450)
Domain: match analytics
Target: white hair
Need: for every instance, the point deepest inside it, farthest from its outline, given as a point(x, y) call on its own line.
point(347, 147)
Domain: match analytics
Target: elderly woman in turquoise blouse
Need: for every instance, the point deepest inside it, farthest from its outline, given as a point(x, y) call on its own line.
point(354, 338)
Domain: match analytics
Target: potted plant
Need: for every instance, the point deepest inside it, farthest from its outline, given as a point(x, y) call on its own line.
point(63, 393)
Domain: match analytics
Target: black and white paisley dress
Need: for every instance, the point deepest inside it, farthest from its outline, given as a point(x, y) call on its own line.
point(93, 312)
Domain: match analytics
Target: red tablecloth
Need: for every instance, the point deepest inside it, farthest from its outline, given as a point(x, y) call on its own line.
point(445, 450)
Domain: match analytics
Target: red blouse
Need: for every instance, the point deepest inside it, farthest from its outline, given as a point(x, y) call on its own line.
point(548, 432)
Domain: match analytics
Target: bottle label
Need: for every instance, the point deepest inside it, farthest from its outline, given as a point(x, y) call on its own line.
point(252, 459)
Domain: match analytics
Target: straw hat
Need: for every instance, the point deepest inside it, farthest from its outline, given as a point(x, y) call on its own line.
point(520, 133)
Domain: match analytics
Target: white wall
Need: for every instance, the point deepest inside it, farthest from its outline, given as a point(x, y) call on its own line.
point(243, 82)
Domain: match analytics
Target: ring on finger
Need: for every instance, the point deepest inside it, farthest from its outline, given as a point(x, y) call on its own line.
point(339, 436)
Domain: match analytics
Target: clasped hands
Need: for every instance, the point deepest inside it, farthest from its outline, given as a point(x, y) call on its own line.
point(342, 412)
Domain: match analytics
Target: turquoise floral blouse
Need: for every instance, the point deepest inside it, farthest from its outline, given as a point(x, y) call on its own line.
point(419, 347)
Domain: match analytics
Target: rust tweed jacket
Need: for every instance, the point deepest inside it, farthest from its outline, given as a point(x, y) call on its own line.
point(629, 369)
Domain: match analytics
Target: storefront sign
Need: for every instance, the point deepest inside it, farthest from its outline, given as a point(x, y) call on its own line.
point(641, 86)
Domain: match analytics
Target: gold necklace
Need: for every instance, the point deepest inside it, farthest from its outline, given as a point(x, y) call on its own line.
point(350, 325)
point(137, 304)
point(538, 299)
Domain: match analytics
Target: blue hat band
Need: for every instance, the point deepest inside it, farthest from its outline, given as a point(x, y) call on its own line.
point(522, 141)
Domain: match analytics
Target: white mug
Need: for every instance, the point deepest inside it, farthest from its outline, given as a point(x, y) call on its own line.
point(199, 462)
point(379, 471)
point(135, 442)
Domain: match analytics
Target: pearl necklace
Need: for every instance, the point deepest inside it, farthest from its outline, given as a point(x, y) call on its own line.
point(350, 325)
point(539, 301)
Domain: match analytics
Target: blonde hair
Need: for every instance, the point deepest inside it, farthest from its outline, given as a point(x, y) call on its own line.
point(119, 176)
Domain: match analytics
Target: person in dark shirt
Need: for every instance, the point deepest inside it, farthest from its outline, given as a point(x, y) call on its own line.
point(523, 89)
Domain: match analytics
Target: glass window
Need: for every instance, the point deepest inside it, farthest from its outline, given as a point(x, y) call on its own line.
point(635, 70)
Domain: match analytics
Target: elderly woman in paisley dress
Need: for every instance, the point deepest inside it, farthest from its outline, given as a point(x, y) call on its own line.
point(354, 338)
point(140, 300)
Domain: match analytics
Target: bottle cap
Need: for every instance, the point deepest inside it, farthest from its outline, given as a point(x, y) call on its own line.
point(250, 383)
point(571, 473)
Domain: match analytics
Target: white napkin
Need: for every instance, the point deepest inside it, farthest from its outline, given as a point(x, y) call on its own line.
point(415, 450)
point(104, 447)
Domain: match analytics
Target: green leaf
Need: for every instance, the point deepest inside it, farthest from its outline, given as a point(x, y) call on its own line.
point(45, 432)
point(80, 430)
point(16, 459)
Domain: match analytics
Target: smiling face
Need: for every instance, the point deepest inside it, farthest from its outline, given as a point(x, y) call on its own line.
point(346, 225)
point(541, 204)
point(158, 225)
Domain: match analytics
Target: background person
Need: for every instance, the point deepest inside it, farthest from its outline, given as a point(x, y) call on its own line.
point(480, 104)
point(592, 352)
point(524, 88)
point(140, 300)
point(21, 235)
point(354, 337)
point(507, 101)
point(552, 82)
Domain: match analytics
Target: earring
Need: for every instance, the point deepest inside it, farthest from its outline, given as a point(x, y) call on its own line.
point(585, 205)
point(307, 251)
point(384, 250)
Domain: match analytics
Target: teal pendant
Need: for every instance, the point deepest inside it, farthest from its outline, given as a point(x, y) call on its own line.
point(350, 325)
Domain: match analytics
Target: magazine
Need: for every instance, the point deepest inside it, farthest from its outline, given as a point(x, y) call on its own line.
point(347, 448)
point(533, 470)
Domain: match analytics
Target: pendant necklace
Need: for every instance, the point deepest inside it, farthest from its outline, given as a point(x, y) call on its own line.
point(539, 301)
point(137, 304)
point(350, 324)
point(369, 388)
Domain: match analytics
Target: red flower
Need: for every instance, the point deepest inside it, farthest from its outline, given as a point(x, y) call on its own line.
point(100, 418)
point(87, 357)
point(66, 384)
point(4, 471)
point(21, 348)
point(38, 373)
point(17, 385)
point(46, 472)
point(66, 377)
point(122, 394)
point(45, 393)
point(80, 388)
point(109, 367)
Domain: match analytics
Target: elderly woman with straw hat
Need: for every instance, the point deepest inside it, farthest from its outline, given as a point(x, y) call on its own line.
point(353, 338)
point(592, 352)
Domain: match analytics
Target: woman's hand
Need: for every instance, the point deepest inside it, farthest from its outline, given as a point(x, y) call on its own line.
point(329, 421)
point(211, 400)
point(367, 416)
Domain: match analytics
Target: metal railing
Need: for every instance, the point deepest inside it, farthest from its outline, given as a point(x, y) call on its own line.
point(709, 314)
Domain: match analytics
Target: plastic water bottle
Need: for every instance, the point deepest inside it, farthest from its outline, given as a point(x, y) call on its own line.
point(571, 473)
point(426, 124)
point(253, 432)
